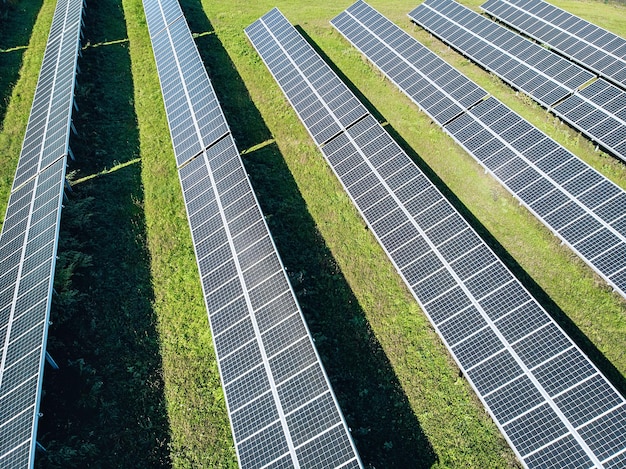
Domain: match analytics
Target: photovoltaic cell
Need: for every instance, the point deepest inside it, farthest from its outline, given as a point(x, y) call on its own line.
point(281, 407)
point(581, 41)
point(538, 171)
point(28, 242)
point(533, 379)
point(597, 110)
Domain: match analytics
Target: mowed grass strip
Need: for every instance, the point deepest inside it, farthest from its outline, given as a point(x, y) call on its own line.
point(16, 23)
point(106, 403)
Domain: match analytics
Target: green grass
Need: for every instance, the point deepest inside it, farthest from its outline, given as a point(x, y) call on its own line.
point(139, 385)
point(16, 23)
point(199, 429)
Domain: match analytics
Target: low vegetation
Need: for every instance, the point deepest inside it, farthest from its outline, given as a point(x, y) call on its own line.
point(138, 385)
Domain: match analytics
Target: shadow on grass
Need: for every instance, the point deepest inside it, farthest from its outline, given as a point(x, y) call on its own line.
point(15, 31)
point(364, 381)
point(105, 407)
point(535, 289)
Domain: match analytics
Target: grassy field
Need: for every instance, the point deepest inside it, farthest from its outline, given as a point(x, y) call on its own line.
point(139, 385)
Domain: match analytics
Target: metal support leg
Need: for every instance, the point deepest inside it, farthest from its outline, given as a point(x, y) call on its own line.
point(51, 362)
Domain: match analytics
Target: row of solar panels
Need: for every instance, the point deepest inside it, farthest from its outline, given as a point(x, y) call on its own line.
point(28, 242)
point(282, 410)
point(580, 205)
point(348, 118)
point(597, 110)
point(552, 405)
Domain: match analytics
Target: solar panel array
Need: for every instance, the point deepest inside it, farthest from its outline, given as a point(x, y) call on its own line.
point(543, 75)
point(545, 395)
point(583, 42)
point(28, 242)
point(524, 64)
point(576, 202)
point(282, 410)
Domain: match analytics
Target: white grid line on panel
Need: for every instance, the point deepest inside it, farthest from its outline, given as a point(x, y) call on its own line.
point(562, 352)
point(329, 429)
point(614, 456)
point(599, 416)
point(549, 443)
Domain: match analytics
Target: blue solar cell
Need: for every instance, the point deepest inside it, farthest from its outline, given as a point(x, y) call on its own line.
point(550, 456)
point(514, 399)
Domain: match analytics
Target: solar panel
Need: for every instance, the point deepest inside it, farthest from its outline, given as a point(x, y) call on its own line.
point(443, 98)
point(28, 242)
point(585, 43)
point(526, 161)
point(598, 111)
point(546, 77)
point(525, 65)
point(543, 393)
point(282, 410)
